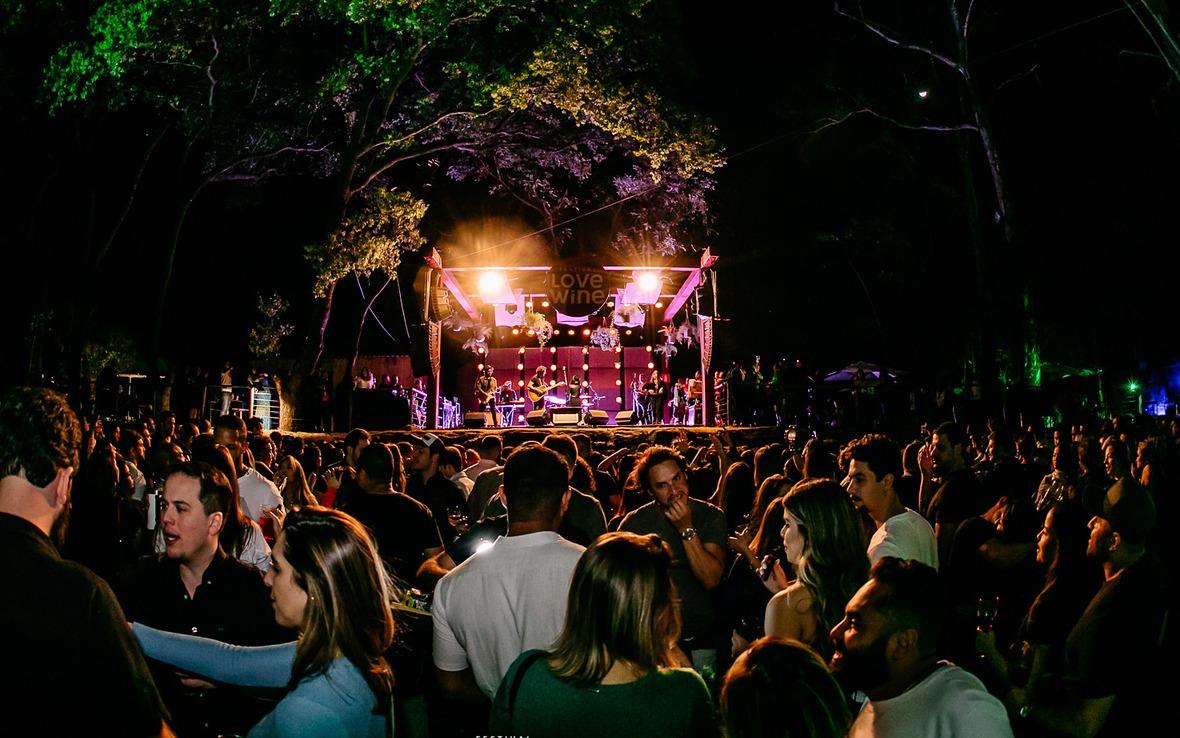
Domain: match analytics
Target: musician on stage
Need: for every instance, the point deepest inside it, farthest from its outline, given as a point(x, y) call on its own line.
point(537, 389)
point(508, 394)
point(653, 390)
point(679, 402)
point(638, 400)
point(574, 394)
point(485, 392)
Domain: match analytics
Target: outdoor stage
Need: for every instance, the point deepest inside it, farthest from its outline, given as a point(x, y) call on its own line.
point(617, 435)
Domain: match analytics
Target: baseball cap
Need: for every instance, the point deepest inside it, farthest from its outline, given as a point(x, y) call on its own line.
point(1129, 510)
point(432, 442)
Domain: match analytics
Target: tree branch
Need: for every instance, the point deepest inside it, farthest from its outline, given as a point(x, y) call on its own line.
point(209, 70)
point(414, 134)
point(967, 17)
point(875, 30)
point(387, 165)
point(831, 122)
point(1016, 78)
point(110, 239)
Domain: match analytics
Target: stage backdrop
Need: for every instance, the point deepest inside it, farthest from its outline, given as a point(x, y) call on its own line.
point(601, 373)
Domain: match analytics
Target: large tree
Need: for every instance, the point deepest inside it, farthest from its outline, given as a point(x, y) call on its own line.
point(370, 95)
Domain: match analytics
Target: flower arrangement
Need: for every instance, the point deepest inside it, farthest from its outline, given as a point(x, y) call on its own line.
point(676, 335)
point(605, 337)
point(479, 338)
point(537, 325)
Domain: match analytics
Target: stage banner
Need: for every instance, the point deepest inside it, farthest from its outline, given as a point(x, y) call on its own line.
point(706, 330)
point(578, 287)
point(435, 343)
point(571, 319)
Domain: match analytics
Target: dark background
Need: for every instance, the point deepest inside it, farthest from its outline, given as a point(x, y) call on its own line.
point(846, 243)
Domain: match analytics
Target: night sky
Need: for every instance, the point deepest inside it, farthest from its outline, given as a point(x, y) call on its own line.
point(837, 243)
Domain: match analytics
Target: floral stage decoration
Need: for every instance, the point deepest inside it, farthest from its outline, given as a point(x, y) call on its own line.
point(538, 325)
point(675, 336)
point(605, 337)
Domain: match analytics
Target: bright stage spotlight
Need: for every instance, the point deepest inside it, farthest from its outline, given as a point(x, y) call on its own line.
point(493, 288)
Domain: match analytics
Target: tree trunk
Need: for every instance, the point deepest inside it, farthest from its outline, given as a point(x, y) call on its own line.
point(166, 282)
point(325, 306)
point(360, 330)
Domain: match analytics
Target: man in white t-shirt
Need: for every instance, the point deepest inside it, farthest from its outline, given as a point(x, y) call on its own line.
point(885, 648)
point(450, 465)
point(874, 464)
point(512, 596)
point(489, 448)
point(256, 493)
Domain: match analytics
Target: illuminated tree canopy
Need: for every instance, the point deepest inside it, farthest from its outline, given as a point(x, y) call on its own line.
point(552, 104)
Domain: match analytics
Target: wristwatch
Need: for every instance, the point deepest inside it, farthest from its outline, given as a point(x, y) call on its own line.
point(1024, 711)
point(688, 533)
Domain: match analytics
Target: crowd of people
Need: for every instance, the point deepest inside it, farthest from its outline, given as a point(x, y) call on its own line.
point(962, 582)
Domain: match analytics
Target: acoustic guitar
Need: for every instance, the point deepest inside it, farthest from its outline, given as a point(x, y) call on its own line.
point(536, 393)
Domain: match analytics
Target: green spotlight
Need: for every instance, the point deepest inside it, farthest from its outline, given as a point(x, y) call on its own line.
point(1132, 386)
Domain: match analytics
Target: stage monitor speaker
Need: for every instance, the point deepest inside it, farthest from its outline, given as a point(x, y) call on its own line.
point(537, 418)
point(626, 417)
point(477, 420)
point(566, 416)
point(596, 417)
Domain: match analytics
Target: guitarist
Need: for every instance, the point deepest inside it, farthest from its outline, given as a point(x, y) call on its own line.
point(537, 388)
point(485, 393)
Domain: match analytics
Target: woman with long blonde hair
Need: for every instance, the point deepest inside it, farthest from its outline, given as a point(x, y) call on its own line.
point(292, 483)
point(327, 581)
point(613, 669)
point(822, 540)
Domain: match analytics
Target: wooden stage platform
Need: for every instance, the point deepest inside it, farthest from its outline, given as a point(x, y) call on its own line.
point(614, 435)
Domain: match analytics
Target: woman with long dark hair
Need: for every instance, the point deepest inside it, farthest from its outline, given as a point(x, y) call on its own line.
point(328, 582)
point(612, 671)
point(783, 689)
point(735, 494)
point(240, 536)
point(822, 540)
point(1071, 580)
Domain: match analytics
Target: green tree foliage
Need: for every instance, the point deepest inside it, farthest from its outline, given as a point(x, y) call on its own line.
point(269, 333)
point(371, 238)
point(379, 96)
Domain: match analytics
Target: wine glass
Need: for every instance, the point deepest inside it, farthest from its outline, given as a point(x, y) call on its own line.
point(457, 517)
point(986, 609)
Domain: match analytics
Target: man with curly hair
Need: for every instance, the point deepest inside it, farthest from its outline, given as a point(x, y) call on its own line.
point(72, 665)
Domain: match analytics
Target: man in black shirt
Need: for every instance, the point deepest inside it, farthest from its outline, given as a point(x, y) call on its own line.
point(196, 589)
point(403, 528)
point(960, 495)
point(344, 477)
point(71, 665)
point(428, 486)
point(1113, 661)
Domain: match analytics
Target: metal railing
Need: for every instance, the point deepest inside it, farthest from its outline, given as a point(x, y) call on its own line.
point(244, 401)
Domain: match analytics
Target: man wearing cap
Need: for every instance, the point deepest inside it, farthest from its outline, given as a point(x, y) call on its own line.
point(428, 486)
point(1111, 653)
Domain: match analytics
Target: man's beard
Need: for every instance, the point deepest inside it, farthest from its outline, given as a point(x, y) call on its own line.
point(61, 528)
point(864, 668)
